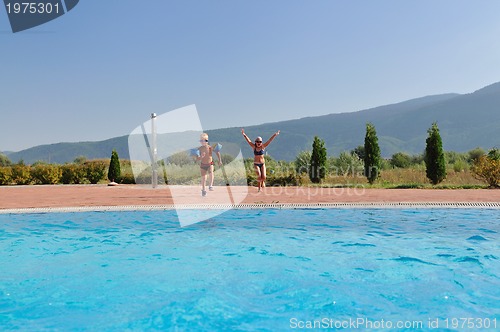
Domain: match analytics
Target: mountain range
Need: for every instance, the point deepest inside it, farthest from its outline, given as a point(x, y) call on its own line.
point(466, 121)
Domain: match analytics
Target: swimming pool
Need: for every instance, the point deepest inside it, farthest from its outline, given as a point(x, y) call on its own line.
point(250, 270)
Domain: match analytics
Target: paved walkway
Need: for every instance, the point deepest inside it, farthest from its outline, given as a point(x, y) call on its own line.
point(14, 197)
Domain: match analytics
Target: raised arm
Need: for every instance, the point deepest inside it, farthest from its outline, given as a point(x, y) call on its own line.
point(271, 139)
point(249, 141)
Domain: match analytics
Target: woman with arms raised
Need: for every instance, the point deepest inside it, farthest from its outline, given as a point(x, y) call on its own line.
point(259, 150)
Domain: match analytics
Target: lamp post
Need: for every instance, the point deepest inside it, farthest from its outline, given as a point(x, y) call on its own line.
point(154, 150)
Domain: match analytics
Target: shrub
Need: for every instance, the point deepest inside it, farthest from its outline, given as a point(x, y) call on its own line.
point(45, 174)
point(317, 166)
point(226, 158)
point(359, 151)
point(180, 159)
point(417, 160)
point(21, 174)
point(144, 177)
point(487, 168)
point(80, 160)
point(127, 174)
point(127, 178)
point(4, 160)
point(270, 162)
point(248, 164)
point(287, 178)
point(372, 154)
point(474, 154)
point(302, 162)
point(5, 175)
point(73, 174)
point(95, 170)
point(460, 165)
point(251, 179)
point(434, 156)
point(163, 175)
point(234, 175)
point(385, 164)
point(494, 154)
point(347, 164)
point(400, 160)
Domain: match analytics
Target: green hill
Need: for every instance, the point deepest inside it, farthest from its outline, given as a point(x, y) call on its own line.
point(465, 121)
point(67, 152)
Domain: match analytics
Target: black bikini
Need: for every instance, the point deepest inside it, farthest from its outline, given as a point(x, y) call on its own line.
point(259, 153)
point(205, 167)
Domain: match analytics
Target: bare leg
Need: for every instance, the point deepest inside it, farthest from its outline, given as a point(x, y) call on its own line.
point(263, 176)
point(259, 181)
point(203, 179)
point(211, 170)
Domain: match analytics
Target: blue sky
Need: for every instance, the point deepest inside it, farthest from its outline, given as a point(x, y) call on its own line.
point(98, 71)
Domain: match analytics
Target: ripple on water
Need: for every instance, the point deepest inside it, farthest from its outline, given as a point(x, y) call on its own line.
point(357, 244)
point(406, 259)
point(445, 255)
point(476, 238)
point(468, 259)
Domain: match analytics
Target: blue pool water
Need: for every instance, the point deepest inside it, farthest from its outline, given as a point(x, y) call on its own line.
point(248, 270)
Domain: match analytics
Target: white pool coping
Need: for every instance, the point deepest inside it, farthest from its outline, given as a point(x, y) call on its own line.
point(358, 205)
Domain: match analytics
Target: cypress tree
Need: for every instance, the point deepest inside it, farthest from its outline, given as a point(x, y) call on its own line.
point(435, 165)
point(372, 158)
point(317, 166)
point(114, 171)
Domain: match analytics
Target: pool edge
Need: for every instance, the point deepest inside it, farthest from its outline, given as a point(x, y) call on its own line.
point(357, 205)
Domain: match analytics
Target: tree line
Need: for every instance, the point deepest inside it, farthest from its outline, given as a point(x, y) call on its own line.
point(365, 160)
point(485, 167)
